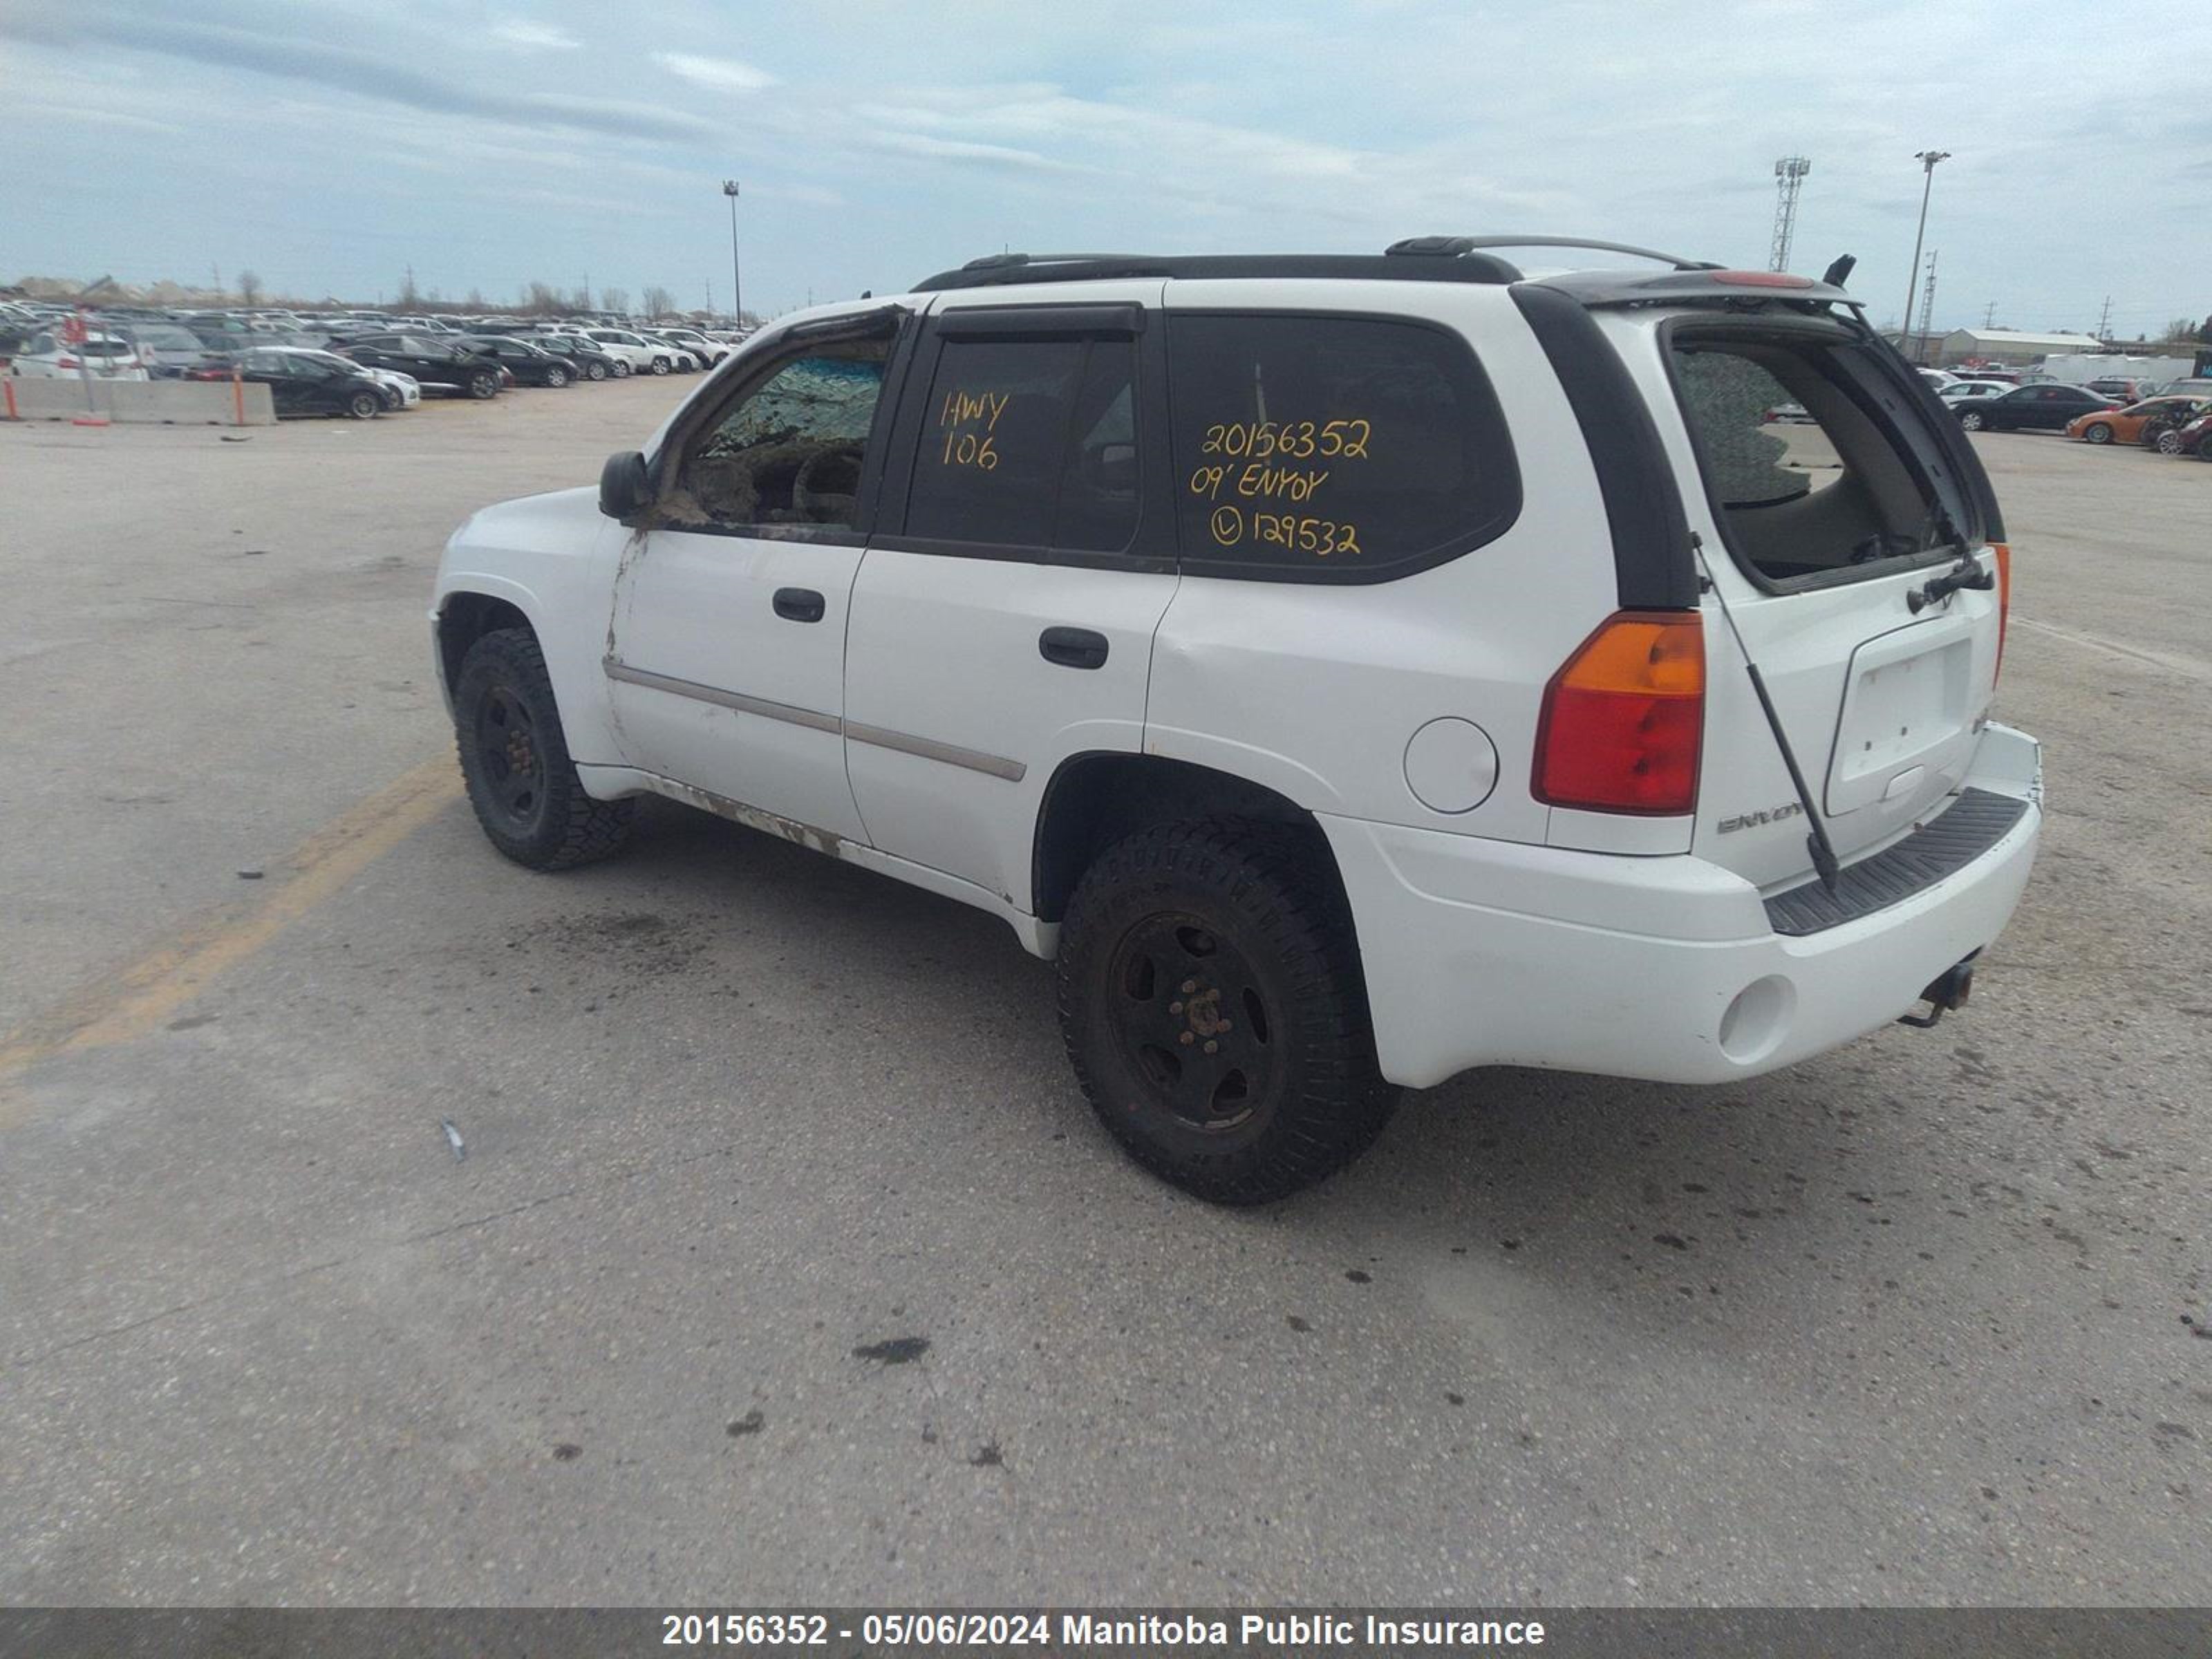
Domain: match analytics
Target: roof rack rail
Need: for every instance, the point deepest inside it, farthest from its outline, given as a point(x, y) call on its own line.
point(1460, 247)
point(994, 270)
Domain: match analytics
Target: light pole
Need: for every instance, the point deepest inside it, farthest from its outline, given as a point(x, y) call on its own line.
point(1927, 158)
point(736, 293)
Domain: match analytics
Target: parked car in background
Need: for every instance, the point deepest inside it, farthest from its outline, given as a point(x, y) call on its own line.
point(2047, 406)
point(400, 391)
point(530, 365)
point(2120, 390)
point(1938, 378)
point(2162, 430)
point(707, 351)
point(590, 362)
point(643, 356)
point(431, 363)
point(2126, 425)
point(1958, 390)
point(170, 350)
point(2194, 439)
point(46, 356)
point(305, 382)
point(2193, 386)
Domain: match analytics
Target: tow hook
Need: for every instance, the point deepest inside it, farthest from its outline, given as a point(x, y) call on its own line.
point(1946, 993)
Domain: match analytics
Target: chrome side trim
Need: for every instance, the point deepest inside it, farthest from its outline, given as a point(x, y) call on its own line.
point(738, 700)
point(950, 754)
point(929, 749)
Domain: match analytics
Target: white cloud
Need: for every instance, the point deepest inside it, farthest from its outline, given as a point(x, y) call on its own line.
point(717, 74)
point(535, 37)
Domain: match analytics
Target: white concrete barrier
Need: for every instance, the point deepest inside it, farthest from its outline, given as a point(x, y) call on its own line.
point(170, 403)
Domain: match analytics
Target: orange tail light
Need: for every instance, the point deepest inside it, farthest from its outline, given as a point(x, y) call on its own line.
point(1624, 717)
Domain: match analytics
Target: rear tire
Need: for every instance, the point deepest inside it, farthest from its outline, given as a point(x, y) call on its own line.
point(2169, 442)
point(660, 365)
point(1971, 420)
point(2097, 432)
point(557, 377)
point(622, 369)
point(597, 371)
point(514, 757)
point(484, 386)
point(1214, 1012)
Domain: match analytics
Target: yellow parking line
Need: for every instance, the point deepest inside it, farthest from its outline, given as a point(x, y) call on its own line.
point(129, 1003)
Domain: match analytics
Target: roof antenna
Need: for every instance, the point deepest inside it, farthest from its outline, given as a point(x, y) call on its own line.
point(1840, 273)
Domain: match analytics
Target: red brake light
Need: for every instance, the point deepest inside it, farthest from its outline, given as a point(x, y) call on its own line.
point(2003, 550)
point(1759, 279)
point(66, 361)
point(1624, 717)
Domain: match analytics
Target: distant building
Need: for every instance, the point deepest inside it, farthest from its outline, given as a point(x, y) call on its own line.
point(2011, 346)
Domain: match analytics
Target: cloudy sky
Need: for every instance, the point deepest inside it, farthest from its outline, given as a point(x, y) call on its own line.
point(330, 144)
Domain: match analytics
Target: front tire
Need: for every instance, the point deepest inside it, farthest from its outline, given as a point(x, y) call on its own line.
point(2097, 431)
point(622, 369)
point(2169, 442)
point(1214, 1012)
point(364, 405)
point(514, 758)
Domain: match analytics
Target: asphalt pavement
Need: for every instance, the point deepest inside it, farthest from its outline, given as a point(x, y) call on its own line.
point(722, 1224)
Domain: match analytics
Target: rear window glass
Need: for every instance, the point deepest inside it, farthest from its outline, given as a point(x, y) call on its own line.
point(1816, 466)
point(1030, 444)
point(1335, 449)
point(103, 348)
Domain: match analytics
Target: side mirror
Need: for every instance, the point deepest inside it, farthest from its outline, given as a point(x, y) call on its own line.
point(625, 486)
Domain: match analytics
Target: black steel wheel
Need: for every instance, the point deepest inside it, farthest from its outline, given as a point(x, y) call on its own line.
point(514, 757)
point(1213, 1009)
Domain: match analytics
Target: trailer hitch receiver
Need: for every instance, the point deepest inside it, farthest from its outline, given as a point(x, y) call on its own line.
point(1946, 993)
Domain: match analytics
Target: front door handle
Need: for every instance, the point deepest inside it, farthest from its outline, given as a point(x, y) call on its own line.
point(798, 605)
point(1072, 647)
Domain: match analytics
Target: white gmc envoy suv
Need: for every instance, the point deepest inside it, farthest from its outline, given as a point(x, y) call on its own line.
point(1350, 669)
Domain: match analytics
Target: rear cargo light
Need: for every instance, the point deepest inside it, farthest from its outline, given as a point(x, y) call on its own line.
point(1624, 716)
point(2003, 550)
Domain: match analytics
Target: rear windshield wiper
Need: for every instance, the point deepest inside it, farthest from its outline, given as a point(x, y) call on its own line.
point(1968, 576)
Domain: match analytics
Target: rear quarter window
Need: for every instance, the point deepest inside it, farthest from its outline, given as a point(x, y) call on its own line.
point(1332, 448)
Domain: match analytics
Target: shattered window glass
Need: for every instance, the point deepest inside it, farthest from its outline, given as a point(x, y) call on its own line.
point(790, 452)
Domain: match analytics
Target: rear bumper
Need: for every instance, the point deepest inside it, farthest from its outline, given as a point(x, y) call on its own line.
point(1493, 953)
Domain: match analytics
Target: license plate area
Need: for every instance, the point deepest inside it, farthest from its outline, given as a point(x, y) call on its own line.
point(1907, 703)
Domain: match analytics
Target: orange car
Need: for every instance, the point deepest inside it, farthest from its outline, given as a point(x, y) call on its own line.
point(2105, 425)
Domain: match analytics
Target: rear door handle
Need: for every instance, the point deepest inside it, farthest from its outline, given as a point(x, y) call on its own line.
point(798, 605)
point(1072, 647)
